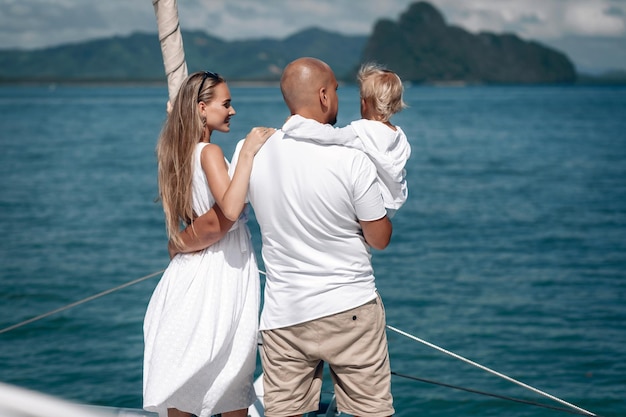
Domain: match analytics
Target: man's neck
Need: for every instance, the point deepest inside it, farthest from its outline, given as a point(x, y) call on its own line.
point(313, 115)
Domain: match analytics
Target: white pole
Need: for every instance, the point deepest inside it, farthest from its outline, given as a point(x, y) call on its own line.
point(171, 45)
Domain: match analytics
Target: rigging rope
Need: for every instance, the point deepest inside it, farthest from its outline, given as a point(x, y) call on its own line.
point(484, 368)
point(489, 394)
point(84, 300)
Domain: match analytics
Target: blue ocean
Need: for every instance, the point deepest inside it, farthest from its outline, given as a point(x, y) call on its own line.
point(511, 250)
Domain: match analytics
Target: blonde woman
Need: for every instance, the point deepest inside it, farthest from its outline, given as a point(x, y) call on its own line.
point(200, 328)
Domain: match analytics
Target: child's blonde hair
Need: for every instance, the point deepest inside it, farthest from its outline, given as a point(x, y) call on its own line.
point(382, 89)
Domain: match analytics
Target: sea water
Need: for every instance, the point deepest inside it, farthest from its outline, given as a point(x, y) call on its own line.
point(511, 250)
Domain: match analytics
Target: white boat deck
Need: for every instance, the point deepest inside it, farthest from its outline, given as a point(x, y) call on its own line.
point(21, 402)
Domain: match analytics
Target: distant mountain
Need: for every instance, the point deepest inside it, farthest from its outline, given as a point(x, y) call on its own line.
point(421, 47)
point(133, 58)
point(138, 57)
point(264, 59)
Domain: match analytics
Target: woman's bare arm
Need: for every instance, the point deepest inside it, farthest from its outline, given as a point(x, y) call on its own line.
point(230, 194)
point(206, 230)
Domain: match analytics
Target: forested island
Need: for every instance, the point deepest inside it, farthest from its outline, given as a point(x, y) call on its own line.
point(420, 46)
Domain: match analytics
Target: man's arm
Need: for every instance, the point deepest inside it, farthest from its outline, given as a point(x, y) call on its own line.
point(206, 230)
point(377, 233)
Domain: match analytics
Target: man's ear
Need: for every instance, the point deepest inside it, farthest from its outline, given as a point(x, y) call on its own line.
point(323, 97)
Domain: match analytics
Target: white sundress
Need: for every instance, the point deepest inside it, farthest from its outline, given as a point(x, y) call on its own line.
point(200, 328)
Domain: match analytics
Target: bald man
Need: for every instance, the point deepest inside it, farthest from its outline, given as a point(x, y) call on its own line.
point(320, 211)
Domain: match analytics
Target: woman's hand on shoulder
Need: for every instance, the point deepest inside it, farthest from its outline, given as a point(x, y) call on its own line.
point(256, 139)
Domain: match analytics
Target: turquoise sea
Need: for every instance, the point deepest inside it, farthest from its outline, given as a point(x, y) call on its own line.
point(511, 250)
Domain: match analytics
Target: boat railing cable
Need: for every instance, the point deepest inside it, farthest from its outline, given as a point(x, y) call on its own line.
point(394, 329)
point(79, 302)
point(491, 371)
point(490, 394)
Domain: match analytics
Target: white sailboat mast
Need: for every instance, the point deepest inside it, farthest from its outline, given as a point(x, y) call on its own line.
point(171, 45)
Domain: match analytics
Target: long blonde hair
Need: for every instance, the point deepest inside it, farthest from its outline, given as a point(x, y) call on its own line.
point(182, 130)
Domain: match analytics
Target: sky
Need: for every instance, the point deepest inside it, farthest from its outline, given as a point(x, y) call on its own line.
point(591, 32)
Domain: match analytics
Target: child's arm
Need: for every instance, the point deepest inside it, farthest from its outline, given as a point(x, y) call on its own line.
point(301, 128)
point(230, 195)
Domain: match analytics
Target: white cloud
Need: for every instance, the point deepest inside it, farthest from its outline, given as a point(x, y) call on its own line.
point(539, 19)
point(591, 19)
point(244, 19)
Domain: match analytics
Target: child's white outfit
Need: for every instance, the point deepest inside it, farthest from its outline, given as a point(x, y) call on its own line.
point(389, 149)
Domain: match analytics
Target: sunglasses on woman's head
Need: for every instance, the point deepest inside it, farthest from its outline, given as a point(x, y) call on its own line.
point(207, 74)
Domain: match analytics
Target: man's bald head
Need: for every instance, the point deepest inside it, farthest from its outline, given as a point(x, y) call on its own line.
point(309, 89)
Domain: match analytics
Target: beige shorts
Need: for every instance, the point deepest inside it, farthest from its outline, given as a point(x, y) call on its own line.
point(353, 343)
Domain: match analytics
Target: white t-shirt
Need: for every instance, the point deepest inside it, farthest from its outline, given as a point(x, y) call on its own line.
point(308, 199)
point(389, 149)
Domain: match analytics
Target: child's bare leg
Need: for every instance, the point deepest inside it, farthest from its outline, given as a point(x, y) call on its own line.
point(173, 412)
point(236, 413)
